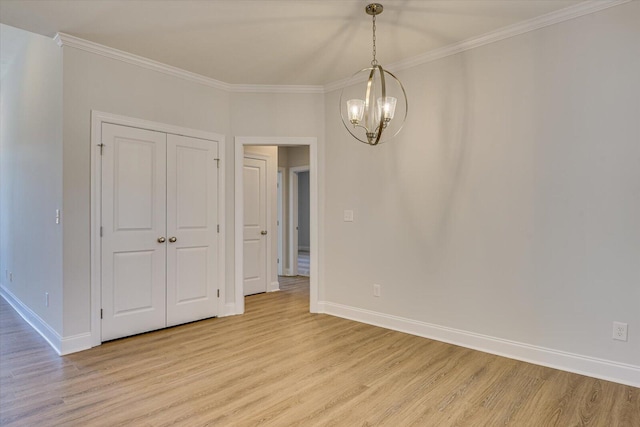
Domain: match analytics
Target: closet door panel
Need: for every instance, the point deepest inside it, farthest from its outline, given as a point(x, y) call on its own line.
point(192, 220)
point(133, 218)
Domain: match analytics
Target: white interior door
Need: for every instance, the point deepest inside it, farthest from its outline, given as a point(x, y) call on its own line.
point(255, 230)
point(192, 216)
point(133, 222)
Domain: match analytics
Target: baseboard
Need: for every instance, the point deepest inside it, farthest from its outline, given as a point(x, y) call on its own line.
point(75, 343)
point(36, 322)
point(274, 287)
point(229, 309)
point(61, 345)
point(579, 364)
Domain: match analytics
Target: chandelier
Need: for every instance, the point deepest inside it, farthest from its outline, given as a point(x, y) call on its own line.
point(384, 107)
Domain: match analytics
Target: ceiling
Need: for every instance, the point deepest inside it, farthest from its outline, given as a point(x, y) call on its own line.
point(275, 42)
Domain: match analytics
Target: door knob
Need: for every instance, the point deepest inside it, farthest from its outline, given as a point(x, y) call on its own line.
point(173, 239)
point(263, 232)
point(161, 239)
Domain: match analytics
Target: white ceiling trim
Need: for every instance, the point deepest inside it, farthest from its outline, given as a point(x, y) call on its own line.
point(277, 88)
point(63, 39)
point(580, 9)
point(71, 41)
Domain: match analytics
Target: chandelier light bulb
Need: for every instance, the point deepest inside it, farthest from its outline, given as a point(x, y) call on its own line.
point(356, 110)
point(387, 106)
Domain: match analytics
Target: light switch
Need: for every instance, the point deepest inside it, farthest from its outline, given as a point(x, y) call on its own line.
point(57, 216)
point(348, 216)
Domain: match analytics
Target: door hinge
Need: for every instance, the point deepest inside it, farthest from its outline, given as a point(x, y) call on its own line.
point(218, 293)
point(218, 228)
point(101, 148)
point(217, 163)
point(100, 231)
point(101, 313)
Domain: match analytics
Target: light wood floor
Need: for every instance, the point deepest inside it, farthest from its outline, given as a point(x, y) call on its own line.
point(278, 365)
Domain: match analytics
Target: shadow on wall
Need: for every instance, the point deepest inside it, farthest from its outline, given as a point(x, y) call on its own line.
point(431, 152)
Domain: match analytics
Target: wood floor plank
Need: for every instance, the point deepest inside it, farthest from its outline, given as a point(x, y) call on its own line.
point(278, 365)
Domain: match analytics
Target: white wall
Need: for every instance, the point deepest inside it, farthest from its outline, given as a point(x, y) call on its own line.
point(93, 82)
point(509, 206)
point(297, 156)
point(31, 173)
point(277, 114)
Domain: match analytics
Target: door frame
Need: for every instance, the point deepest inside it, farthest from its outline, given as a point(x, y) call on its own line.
point(312, 142)
point(97, 119)
point(293, 214)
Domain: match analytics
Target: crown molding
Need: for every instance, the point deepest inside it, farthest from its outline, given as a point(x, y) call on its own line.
point(67, 40)
point(277, 88)
point(583, 8)
point(571, 12)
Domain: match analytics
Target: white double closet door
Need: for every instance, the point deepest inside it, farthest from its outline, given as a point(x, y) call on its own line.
point(159, 230)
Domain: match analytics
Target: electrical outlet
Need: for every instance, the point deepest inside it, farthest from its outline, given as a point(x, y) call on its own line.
point(348, 216)
point(46, 299)
point(376, 290)
point(619, 331)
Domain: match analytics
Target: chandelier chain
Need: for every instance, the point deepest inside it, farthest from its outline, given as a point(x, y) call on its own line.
point(374, 61)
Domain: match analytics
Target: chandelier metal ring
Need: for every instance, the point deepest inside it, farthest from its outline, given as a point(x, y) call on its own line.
point(348, 124)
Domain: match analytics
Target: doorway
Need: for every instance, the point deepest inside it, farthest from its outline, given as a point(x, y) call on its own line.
point(240, 143)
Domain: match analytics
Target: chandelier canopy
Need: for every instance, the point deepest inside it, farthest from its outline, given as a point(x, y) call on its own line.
point(383, 108)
